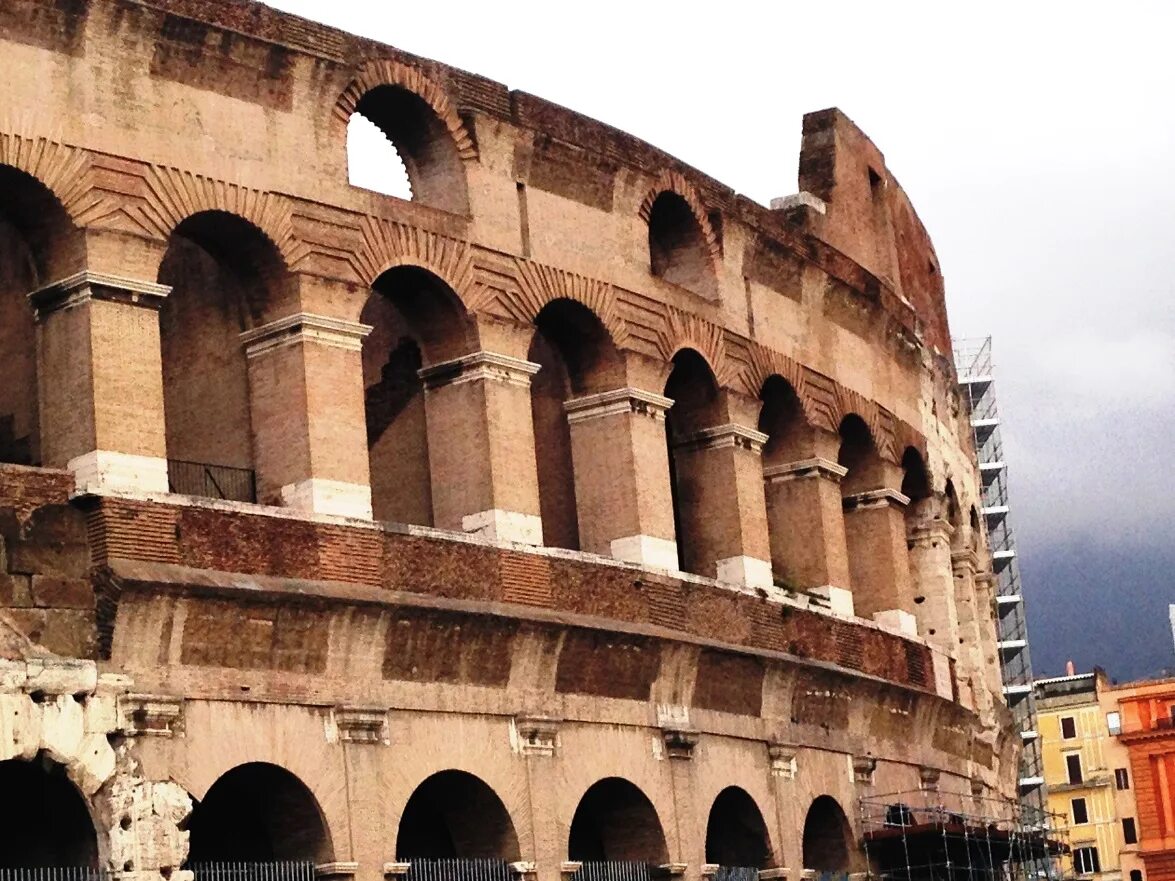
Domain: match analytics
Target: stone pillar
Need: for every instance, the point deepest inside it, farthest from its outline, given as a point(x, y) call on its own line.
point(722, 504)
point(621, 469)
point(306, 405)
point(807, 524)
point(100, 381)
point(481, 447)
point(985, 593)
point(875, 532)
point(934, 590)
point(971, 663)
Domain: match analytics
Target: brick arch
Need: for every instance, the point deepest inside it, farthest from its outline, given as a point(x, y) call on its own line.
point(387, 72)
point(669, 181)
point(765, 363)
point(63, 170)
point(539, 285)
point(684, 330)
point(387, 244)
point(173, 196)
point(466, 803)
point(650, 844)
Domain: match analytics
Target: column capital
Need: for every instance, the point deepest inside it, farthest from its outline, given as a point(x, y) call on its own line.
point(876, 498)
point(803, 469)
point(927, 532)
point(304, 327)
point(84, 286)
point(479, 366)
point(965, 560)
point(725, 436)
point(615, 402)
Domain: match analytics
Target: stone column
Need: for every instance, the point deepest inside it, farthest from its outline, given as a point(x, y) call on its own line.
point(985, 593)
point(722, 504)
point(933, 578)
point(971, 663)
point(100, 381)
point(306, 405)
point(481, 447)
point(807, 526)
point(621, 468)
point(875, 530)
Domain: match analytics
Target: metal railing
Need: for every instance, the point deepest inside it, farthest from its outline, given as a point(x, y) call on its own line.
point(614, 870)
point(54, 873)
point(736, 873)
point(458, 870)
point(211, 481)
point(277, 870)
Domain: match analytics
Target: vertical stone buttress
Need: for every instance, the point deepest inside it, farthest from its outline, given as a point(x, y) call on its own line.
point(879, 565)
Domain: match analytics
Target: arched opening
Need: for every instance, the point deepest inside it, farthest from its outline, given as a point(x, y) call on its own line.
point(694, 392)
point(827, 837)
point(796, 549)
point(859, 455)
point(678, 251)
point(416, 319)
point(421, 145)
point(575, 357)
point(736, 835)
point(615, 821)
point(226, 277)
point(38, 245)
point(915, 482)
point(258, 812)
point(45, 819)
point(455, 815)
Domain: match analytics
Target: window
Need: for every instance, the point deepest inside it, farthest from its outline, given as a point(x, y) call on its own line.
point(1114, 723)
point(1085, 861)
point(1136, 875)
point(1073, 765)
point(1129, 832)
point(1121, 778)
point(1068, 727)
point(1079, 810)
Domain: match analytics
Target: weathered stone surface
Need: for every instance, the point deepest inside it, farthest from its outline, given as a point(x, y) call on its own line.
point(55, 592)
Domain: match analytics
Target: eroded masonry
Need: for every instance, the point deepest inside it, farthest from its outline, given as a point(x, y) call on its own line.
point(576, 518)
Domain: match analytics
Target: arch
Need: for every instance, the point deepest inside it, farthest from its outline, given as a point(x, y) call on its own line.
point(783, 420)
point(858, 453)
point(915, 479)
point(576, 357)
point(423, 126)
point(616, 821)
point(676, 183)
point(694, 391)
point(257, 812)
point(61, 169)
point(454, 814)
point(678, 250)
point(736, 834)
point(828, 838)
point(226, 277)
point(416, 319)
point(46, 821)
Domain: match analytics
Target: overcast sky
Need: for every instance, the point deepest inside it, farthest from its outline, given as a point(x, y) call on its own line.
point(1037, 142)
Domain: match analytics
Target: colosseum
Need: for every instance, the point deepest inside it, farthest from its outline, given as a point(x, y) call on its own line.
point(577, 519)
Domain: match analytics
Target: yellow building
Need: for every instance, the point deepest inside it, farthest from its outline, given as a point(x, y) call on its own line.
point(1087, 775)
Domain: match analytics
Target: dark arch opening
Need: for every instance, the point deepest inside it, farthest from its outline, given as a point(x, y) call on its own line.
point(416, 319)
point(422, 144)
point(915, 479)
point(859, 455)
point(576, 357)
point(782, 420)
point(616, 821)
point(677, 245)
point(38, 245)
point(258, 812)
point(454, 814)
point(226, 277)
point(736, 834)
point(827, 837)
point(45, 819)
point(694, 392)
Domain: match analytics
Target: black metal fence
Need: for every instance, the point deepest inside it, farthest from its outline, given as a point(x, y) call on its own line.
point(614, 870)
point(288, 870)
point(736, 873)
point(59, 873)
point(211, 481)
point(458, 870)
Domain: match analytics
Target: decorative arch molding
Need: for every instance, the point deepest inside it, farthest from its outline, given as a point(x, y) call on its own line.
point(880, 422)
point(675, 182)
point(173, 195)
point(387, 244)
point(684, 330)
point(62, 169)
point(538, 284)
point(387, 72)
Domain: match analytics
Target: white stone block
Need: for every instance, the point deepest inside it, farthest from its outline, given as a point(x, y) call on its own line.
point(505, 526)
point(746, 571)
point(105, 471)
point(840, 601)
point(646, 550)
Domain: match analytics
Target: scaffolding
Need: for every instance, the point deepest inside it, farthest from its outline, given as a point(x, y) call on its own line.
point(973, 363)
point(929, 835)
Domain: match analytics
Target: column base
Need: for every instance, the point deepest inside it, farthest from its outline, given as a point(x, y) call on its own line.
point(105, 471)
point(499, 525)
point(319, 496)
point(840, 601)
point(646, 550)
point(898, 621)
point(747, 571)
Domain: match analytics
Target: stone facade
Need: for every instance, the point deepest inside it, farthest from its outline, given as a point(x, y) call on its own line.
point(577, 508)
